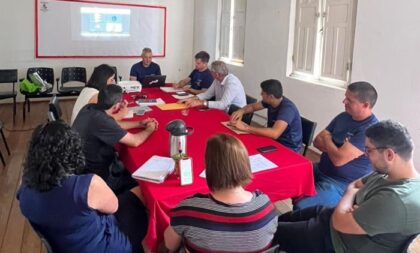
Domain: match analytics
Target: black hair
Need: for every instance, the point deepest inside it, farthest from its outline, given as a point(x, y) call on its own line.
point(272, 87)
point(391, 134)
point(55, 152)
point(109, 96)
point(364, 92)
point(99, 78)
point(203, 56)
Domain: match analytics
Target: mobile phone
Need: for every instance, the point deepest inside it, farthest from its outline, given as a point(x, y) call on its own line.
point(186, 173)
point(266, 149)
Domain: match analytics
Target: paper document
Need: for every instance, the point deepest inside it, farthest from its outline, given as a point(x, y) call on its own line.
point(258, 163)
point(129, 115)
point(172, 106)
point(232, 128)
point(155, 170)
point(149, 102)
point(170, 89)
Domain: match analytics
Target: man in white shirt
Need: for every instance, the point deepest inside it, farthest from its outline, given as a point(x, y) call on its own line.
point(226, 88)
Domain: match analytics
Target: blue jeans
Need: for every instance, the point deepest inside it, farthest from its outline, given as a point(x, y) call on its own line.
point(329, 191)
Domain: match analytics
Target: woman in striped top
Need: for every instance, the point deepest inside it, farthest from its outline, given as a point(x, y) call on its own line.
point(229, 218)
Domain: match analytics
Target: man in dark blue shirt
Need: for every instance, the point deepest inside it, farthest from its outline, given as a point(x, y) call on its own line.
point(144, 68)
point(342, 144)
point(200, 78)
point(283, 118)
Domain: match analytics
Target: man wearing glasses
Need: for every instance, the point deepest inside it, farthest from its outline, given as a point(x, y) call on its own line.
point(342, 145)
point(377, 213)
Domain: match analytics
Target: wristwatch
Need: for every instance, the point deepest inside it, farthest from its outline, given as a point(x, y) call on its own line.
point(206, 103)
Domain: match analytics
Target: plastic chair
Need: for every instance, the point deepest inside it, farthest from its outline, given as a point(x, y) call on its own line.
point(54, 111)
point(5, 144)
point(71, 74)
point(9, 76)
point(47, 74)
point(308, 129)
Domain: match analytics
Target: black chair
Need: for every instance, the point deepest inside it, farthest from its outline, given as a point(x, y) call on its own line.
point(47, 74)
point(54, 111)
point(71, 74)
point(5, 144)
point(9, 76)
point(250, 100)
point(308, 129)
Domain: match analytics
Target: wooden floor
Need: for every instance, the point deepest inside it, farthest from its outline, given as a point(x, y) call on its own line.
point(16, 234)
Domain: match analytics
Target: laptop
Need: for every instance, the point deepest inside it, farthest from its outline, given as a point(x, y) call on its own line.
point(153, 81)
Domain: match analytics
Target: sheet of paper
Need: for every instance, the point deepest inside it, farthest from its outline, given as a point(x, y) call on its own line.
point(182, 97)
point(155, 169)
point(172, 106)
point(258, 163)
point(170, 89)
point(129, 115)
point(232, 128)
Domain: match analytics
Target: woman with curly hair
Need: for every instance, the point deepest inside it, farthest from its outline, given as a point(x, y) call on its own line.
point(102, 76)
point(76, 213)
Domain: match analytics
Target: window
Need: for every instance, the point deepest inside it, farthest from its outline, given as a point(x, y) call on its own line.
point(323, 40)
point(232, 31)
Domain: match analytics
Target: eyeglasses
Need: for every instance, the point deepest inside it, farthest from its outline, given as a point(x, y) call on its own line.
point(368, 150)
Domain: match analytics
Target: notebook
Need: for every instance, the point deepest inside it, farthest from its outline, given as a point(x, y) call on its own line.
point(155, 170)
point(153, 81)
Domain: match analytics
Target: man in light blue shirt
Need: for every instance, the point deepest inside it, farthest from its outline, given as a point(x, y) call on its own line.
point(226, 88)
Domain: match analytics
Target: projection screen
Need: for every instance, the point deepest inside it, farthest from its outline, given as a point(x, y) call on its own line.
point(88, 29)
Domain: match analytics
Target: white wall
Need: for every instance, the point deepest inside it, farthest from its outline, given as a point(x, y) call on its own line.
point(17, 48)
point(387, 46)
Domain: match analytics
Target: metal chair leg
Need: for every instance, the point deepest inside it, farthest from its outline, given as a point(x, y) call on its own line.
point(5, 142)
point(2, 159)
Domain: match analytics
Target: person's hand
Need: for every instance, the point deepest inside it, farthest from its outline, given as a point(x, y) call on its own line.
point(194, 103)
point(143, 123)
point(240, 125)
point(237, 115)
point(151, 126)
point(185, 100)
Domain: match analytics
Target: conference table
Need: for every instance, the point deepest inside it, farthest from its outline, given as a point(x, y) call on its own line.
point(292, 178)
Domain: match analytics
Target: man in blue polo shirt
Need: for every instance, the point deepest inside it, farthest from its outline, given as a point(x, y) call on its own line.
point(200, 78)
point(283, 125)
point(342, 144)
point(144, 68)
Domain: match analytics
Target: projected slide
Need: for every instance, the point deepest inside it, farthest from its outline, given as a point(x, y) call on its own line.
point(88, 29)
point(104, 22)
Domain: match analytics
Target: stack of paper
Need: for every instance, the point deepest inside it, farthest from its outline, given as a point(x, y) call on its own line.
point(155, 170)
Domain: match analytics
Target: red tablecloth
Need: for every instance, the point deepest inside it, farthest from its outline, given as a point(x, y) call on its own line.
point(292, 178)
